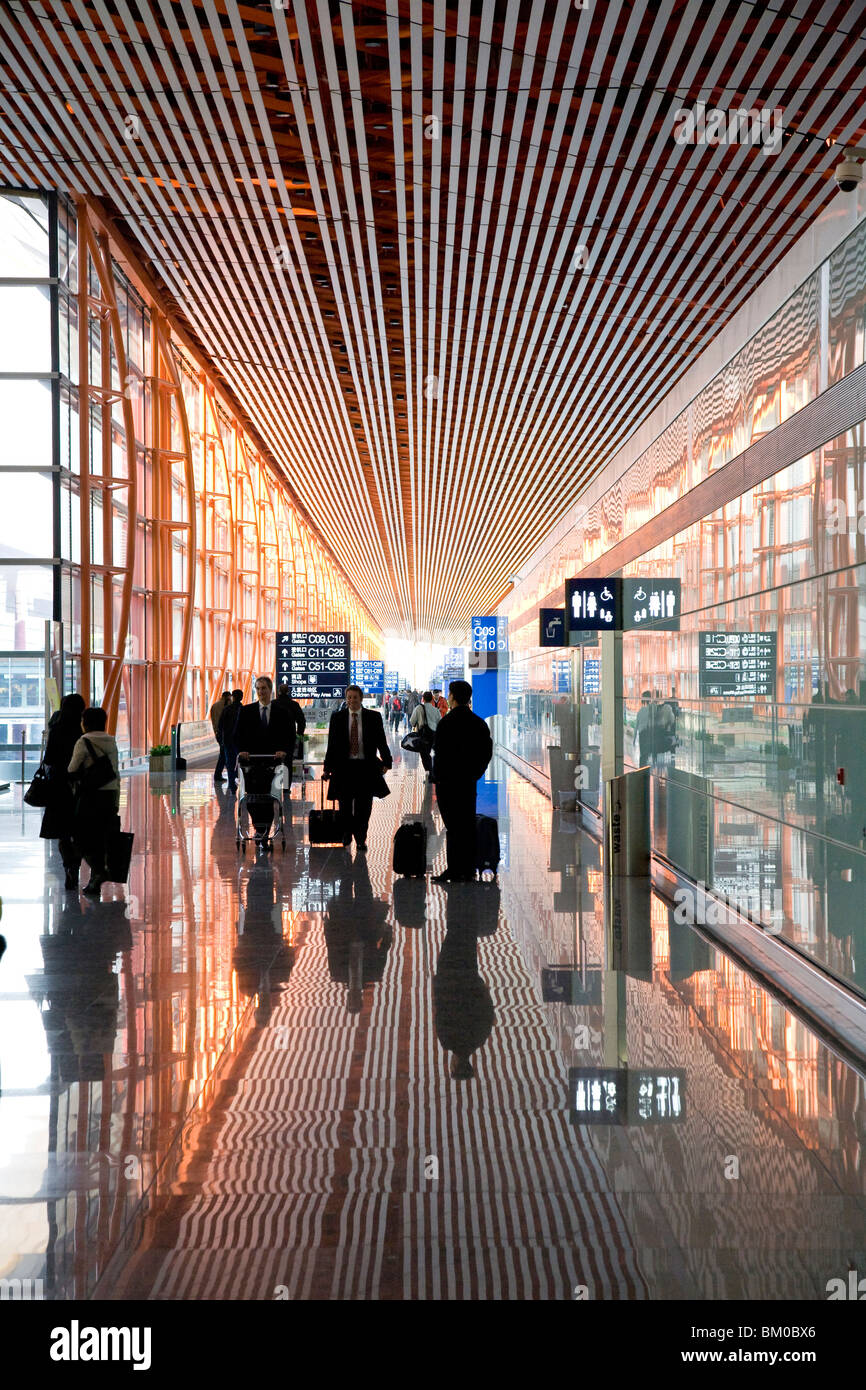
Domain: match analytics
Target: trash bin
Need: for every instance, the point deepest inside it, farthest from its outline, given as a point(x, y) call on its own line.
point(627, 824)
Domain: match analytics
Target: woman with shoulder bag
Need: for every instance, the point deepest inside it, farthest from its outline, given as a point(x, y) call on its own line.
point(64, 731)
point(94, 765)
point(425, 718)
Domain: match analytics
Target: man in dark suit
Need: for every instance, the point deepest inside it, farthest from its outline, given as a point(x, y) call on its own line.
point(356, 757)
point(265, 727)
point(285, 701)
point(462, 748)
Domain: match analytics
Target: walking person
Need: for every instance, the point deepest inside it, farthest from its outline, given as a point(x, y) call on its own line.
point(644, 729)
point(217, 710)
point(426, 716)
point(97, 799)
point(266, 727)
point(396, 713)
point(285, 700)
point(462, 749)
point(228, 727)
point(64, 731)
point(356, 758)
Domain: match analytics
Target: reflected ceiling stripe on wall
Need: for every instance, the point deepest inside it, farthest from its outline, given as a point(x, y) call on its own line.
point(371, 218)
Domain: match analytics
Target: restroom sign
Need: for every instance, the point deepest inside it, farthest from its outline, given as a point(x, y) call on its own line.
point(592, 605)
point(651, 603)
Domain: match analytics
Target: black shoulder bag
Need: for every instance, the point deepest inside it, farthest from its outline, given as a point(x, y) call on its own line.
point(100, 772)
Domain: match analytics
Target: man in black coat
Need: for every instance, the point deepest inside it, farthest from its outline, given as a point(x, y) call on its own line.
point(285, 701)
point(356, 757)
point(462, 748)
point(265, 727)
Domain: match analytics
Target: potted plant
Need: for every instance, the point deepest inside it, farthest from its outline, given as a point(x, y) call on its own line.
point(160, 757)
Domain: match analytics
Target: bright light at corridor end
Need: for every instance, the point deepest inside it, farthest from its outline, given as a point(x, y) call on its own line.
point(414, 660)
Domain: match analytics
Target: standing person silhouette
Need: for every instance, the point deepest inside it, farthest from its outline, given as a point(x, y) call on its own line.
point(462, 749)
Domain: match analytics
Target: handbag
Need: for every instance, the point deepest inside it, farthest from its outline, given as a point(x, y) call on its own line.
point(118, 853)
point(39, 792)
point(100, 772)
point(418, 739)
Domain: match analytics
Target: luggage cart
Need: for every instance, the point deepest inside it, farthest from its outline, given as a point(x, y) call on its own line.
point(259, 816)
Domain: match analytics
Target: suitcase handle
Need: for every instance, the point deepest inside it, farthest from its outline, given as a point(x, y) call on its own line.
point(332, 799)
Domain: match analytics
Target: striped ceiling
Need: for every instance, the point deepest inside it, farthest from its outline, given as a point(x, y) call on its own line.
point(370, 217)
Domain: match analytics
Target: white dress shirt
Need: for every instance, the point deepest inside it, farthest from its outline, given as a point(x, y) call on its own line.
point(360, 733)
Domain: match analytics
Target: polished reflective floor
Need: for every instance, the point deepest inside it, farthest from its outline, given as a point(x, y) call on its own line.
point(284, 1075)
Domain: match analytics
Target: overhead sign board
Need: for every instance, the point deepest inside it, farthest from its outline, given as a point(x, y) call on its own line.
point(591, 676)
point(611, 605)
point(551, 627)
point(619, 1096)
point(653, 603)
point(591, 605)
point(737, 663)
point(392, 680)
point(316, 665)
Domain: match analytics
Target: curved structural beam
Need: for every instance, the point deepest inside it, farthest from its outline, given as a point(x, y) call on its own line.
point(93, 249)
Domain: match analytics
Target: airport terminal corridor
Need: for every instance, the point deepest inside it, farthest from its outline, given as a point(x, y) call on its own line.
point(462, 406)
point(232, 1080)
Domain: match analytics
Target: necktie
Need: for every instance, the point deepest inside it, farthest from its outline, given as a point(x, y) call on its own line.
point(264, 716)
point(353, 736)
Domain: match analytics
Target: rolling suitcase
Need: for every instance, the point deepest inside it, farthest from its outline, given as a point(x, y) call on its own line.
point(326, 826)
point(410, 849)
point(486, 844)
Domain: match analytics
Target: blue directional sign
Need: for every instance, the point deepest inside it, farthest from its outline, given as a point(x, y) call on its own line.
point(489, 634)
point(562, 677)
point(551, 627)
point(591, 676)
point(392, 680)
point(370, 675)
point(452, 669)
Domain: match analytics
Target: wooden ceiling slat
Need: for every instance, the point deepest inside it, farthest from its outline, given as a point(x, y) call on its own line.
point(407, 259)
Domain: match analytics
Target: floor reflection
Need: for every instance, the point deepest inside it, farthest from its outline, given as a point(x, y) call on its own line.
point(350, 1087)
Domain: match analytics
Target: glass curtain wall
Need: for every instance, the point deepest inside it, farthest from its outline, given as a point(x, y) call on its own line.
point(175, 555)
point(29, 572)
point(777, 779)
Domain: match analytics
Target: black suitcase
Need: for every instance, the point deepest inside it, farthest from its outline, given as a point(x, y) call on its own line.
point(326, 827)
point(410, 849)
point(486, 844)
point(118, 853)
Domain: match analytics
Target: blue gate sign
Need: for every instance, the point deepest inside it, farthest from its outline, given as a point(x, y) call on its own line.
point(489, 634)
